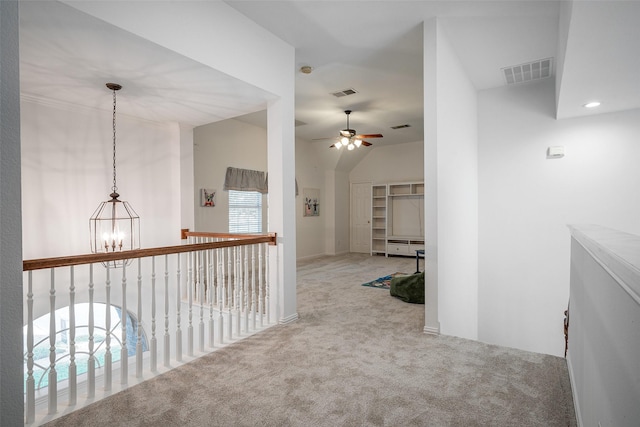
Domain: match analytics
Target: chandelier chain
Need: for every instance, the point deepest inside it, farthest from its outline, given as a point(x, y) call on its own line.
point(115, 187)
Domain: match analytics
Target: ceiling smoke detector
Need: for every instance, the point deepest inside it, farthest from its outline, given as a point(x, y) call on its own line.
point(306, 69)
point(536, 70)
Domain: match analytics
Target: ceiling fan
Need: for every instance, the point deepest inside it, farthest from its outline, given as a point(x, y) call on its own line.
point(348, 137)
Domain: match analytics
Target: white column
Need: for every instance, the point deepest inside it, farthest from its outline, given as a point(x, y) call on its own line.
point(282, 218)
point(11, 304)
point(431, 323)
point(187, 187)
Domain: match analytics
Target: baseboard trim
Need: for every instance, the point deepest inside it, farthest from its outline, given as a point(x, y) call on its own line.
point(430, 330)
point(309, 257)
point(576, 402)
point(289, 319)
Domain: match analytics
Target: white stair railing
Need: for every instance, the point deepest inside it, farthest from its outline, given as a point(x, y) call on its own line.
point(87, 333)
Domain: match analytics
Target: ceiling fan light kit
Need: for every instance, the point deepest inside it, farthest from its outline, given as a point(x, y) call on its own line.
point(348, 137)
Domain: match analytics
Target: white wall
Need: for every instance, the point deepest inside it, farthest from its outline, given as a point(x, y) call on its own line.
point(187, 176)
point(457, 196)
point(216, 147)
point(430, 89)
point(67, 170)
point(238, 144)
point(213, 33)
point(526, 201)
point(11, 361)
point(310, 173)
point(604, 337)
point(342, 208)
point(452, 135)
point(397, 163)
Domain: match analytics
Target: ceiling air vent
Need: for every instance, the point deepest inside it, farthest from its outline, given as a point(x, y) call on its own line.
point(344, 92)
point(535, 70)
point(401, 126)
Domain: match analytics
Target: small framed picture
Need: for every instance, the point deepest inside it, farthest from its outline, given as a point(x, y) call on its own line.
point(311, 202)
point(207, 197)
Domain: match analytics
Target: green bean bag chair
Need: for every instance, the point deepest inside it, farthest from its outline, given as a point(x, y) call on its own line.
point(409, 288)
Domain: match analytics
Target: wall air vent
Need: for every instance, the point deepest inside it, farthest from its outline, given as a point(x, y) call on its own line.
point(536, 70)
point(344, 92)
point(401, 126)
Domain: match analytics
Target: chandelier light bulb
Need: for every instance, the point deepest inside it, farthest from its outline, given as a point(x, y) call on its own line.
point(358, 142)
point(338, 145)
point(351, 147)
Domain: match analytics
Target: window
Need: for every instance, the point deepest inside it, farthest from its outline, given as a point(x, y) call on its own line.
point(245, 212)
point(41, 344)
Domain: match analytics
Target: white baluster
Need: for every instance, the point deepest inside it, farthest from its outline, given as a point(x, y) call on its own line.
point(254, 294)
point(237, 294)
point(178, 302)
point(108, 367)
point(190, 285)
point(201, 284)
point(53, 376)
point(154, 341)
point(31, 394)
point(245, 285)
point(138, 325)
point(229, 294)
point(261, 303)
point(220, 253)
point(124, 350)
point(73, 380)
point(91, 363)
point(167, 337)
point(267, 289)
point(211, 288)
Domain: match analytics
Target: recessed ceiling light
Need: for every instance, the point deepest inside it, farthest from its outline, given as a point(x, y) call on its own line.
point(592, 104)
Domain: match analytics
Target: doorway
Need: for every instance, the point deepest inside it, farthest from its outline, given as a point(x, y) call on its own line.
point(361, 217)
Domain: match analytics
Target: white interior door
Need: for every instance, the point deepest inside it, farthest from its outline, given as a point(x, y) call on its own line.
point(361, 217)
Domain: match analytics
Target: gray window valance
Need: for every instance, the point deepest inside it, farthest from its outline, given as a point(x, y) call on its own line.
point(248, 180)
point(245, 180)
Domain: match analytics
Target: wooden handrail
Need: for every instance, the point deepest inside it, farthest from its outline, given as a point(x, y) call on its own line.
point(242, 240)
point(225, 235)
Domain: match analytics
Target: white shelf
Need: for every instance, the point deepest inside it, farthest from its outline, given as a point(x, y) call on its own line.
point(399, 207)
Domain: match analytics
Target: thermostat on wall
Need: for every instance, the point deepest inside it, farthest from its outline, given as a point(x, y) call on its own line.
point(555, 152)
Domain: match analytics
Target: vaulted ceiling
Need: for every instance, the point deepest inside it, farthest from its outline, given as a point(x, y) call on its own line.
point(372, 47)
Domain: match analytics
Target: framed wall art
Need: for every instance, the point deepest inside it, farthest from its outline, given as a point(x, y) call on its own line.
point(311, 202)
point(207, 197)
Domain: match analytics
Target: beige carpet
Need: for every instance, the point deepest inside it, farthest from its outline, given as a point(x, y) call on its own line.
point(356, 357)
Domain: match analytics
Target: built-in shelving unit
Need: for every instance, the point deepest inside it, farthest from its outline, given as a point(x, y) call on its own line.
point(379, 219)
point(397, 218)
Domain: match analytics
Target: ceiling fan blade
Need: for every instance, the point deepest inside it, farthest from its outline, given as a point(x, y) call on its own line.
point(371, 135)
point(332, 146)
point(323, 139)
point(366, 143)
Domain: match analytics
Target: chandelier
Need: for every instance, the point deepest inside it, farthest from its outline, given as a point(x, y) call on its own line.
point(114, 226)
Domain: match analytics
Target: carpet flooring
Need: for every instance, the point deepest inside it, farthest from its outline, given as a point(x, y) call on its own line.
point(356, 357)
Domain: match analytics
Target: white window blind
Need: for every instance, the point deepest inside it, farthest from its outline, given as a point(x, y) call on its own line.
point(245, 212)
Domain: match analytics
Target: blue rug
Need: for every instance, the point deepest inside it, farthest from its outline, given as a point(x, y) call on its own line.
point(383, 282)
